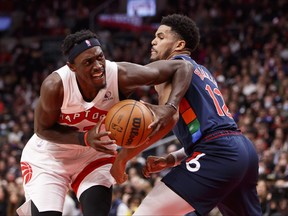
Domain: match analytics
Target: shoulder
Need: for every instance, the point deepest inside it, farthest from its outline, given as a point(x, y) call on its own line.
point(52, 86)
point(51, 93)
point(121, 66)
point(110, 65)
point(53, 81)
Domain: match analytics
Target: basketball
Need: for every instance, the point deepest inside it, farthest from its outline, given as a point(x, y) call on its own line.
point(128, 122)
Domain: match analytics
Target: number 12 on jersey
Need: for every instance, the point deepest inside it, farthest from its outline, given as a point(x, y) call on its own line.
point(216, 95)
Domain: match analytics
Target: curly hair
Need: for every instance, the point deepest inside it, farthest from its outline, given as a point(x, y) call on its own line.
point(76, 38)
point(185, 27)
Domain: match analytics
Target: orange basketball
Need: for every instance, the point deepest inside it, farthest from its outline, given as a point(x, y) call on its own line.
point(128, 122)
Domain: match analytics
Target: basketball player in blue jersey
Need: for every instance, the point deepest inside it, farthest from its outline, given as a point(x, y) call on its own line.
point(218, 165)
point(70, 148)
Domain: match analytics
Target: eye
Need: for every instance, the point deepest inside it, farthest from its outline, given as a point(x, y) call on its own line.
point(88, 62)
point(160, 37)
point(101, 56)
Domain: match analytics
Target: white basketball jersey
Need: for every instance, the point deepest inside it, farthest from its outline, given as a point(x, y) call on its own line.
point(75, 112)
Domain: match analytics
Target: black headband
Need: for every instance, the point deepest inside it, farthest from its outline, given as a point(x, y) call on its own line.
point(79, 48)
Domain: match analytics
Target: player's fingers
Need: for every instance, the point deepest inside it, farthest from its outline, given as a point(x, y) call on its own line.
point(146, 169)
point(106, 150)
point(103, 134)
point(104, 142)
point(122, 179)
point(98, 125)
point(145, 172)
point(145, 103)
point(150, 107)
point(125, 177)
point(155, 129)
point(153, 124)
point(103, 146)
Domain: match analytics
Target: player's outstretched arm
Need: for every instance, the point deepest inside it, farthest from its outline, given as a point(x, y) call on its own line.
point(176, 72)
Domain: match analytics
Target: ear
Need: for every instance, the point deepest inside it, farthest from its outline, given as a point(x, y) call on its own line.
point(71, 66)
point(180, 45)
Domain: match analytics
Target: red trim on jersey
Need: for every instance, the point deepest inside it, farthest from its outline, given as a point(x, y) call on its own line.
point(186, 111)
point(220, 133)
point(88, 169)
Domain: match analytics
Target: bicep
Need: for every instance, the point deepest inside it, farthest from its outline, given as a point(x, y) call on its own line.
point(132, 76)
point(151, 74)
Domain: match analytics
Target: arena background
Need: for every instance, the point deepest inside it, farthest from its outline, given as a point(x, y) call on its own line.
point(243, 41)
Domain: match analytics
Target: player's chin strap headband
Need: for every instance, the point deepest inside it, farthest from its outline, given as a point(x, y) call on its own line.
point(79, 48)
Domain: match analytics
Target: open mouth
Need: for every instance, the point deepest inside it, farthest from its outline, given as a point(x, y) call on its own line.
point(98, 75)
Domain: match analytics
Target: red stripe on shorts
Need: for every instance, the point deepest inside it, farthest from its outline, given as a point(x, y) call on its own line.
point(88, 169)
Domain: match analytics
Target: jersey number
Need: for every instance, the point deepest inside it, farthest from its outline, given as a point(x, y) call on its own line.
point(193, 165)
point(222, 111)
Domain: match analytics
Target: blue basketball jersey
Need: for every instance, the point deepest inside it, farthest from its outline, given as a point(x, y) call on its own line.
point(202, 109)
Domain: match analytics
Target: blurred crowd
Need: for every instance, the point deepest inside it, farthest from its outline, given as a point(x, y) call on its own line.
point(244, 43)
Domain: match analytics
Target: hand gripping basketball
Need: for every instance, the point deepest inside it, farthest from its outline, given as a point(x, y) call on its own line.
point(128, 123)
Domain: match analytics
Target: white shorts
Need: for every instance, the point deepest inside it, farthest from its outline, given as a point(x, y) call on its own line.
point(49, 170)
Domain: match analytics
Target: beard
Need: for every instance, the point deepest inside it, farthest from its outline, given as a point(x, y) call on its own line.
point(167, 54)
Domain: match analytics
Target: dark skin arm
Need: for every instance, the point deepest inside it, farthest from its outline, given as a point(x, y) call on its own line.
point(172, 92)
point(155, 164)
point(176, 72)
point(131, 76)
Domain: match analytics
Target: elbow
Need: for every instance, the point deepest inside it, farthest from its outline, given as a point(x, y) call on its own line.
point(39, 131)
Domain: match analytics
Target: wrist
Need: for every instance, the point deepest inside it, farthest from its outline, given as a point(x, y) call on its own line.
point(83, 138)
point(172, 105)
point(171, 160)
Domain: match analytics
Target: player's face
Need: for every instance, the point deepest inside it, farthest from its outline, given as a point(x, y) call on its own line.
point(164, 43)
point(89, 67)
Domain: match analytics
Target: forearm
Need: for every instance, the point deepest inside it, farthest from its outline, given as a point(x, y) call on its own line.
point(127, 154)
point(180, 83)
point(62, 135)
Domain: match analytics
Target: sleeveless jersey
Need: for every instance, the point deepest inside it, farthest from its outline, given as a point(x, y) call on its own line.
point(75, 111)
point(202, 109)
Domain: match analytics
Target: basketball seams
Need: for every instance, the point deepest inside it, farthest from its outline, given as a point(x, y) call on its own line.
point(128, 120)
point(144, 120)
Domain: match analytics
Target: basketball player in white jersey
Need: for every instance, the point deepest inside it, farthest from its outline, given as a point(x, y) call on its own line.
point(70, 149)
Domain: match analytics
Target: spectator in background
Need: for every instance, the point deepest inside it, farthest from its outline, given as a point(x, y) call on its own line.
point(133, 203)
point(4, 199)
point(118, 207)
point(252, 24)
point(264, 196)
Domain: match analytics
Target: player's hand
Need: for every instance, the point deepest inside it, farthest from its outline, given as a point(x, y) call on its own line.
point(118, 171)
point(163, 114)
point(94, 139)
point(154, 165)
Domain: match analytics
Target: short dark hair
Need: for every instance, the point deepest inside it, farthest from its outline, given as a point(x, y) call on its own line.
point(185, 27)
point(76, 38)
